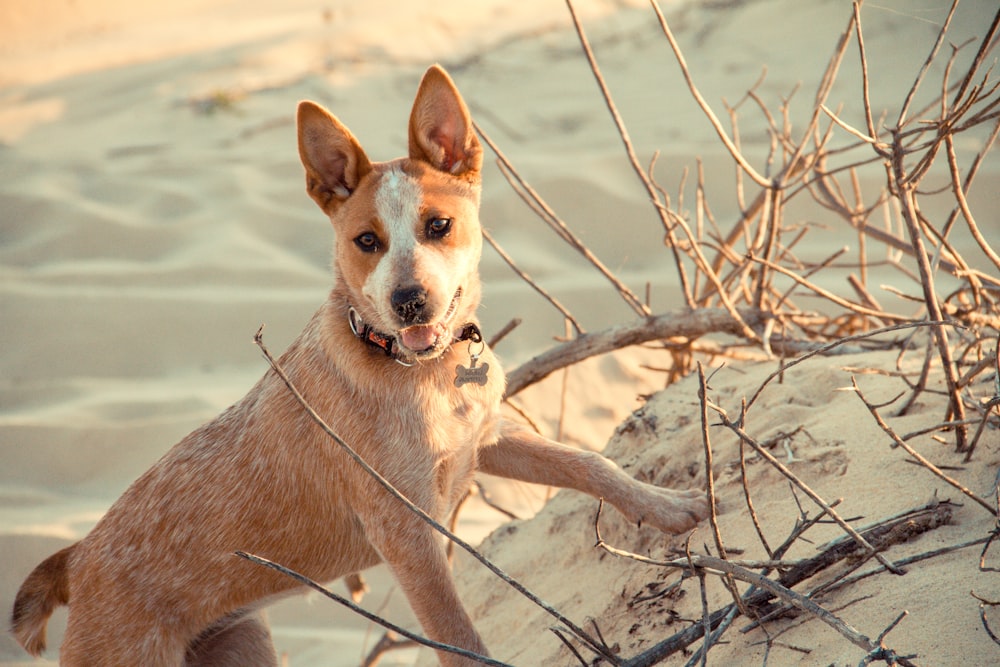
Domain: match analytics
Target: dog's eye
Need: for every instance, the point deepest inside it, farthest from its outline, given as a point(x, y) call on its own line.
point(368, 242)
point(438, 227)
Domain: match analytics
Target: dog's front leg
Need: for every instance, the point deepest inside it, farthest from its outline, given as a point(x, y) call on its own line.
point(524, 455)
point(417, 558)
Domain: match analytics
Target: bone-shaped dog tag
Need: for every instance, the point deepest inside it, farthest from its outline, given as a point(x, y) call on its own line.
point(473, 374)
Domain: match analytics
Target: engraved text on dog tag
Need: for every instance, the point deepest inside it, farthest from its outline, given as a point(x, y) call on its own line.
point(474, 374)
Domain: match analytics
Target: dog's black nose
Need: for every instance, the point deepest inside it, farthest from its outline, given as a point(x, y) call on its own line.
point(409, 302)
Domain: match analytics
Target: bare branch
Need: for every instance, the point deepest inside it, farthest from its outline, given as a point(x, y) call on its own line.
point(361, 611)
point(568, 316)
point(688, 324)
point(712, 118)
point(630, 151)
point(912, 452)
point(561, 228)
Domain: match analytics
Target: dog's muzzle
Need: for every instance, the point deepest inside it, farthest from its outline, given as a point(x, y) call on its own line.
point(421, 338)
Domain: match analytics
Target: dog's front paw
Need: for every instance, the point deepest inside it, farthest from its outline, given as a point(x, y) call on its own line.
point(670, 510)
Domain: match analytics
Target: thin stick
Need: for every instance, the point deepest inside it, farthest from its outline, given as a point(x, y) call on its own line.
point(970, 177)
point(361, 611)
point(792, 164)
point(927, 63)
point(569, 645)
point(388, 642)
point(984, 48)
point(504, 330)
point(815, 497)
point(484, 495)
point(716, 633)
point(701, 262)
point(850, 129)
point(905, 193)
point(903, 562)
point(559, 227)
point(580, 634)
point(750, 506)
point(706, 621)
point(568, 316)
point(987, 409)
point(827, 348)
point(710, 486)
point(716, 125)
point(892, 530)
point(912, 452)
point(872, 135)
point(983, 604)
point(630, 151)
point(826, 294)
point(963, 204)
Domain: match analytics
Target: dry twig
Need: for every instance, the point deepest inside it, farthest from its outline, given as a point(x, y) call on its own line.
point(873, 409)
point(361, 611)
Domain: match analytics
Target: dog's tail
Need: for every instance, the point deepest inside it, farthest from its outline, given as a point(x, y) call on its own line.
point(46, 588)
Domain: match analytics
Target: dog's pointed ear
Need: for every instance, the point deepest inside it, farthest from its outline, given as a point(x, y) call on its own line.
point(441, 130)
point(333, 158)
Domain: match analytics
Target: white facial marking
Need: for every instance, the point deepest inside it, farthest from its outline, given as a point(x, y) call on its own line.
point(397, 203)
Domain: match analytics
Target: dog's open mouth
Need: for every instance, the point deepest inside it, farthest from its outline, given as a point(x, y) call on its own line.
point(423, 339)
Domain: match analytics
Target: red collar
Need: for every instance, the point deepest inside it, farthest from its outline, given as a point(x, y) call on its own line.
point(387, 343)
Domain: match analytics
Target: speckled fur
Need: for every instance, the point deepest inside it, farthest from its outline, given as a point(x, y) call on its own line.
point(156, 582)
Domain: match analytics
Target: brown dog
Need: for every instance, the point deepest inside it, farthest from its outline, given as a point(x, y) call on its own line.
point(393, 360)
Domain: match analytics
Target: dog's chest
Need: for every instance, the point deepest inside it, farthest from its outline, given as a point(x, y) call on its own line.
point(471, 425)
point(459, 420)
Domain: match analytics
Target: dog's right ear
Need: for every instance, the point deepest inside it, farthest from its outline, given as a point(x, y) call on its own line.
point(333, 158)
point(441, 130)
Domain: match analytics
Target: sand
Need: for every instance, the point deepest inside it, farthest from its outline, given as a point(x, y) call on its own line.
point(152, 216)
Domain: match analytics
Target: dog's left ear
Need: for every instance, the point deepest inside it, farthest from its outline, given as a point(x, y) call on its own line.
point(334, 160)
point(441, 128)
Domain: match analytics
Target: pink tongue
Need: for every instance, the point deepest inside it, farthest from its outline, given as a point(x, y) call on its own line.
point(420, 337)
